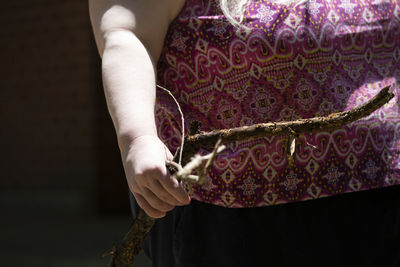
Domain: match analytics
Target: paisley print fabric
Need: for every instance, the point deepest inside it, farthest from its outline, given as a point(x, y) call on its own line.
point(286, 63)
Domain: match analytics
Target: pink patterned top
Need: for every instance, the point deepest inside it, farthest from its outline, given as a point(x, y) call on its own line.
point(310, 60)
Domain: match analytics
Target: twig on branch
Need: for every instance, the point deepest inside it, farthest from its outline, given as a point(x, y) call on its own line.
point(182, 122)
point(198, 164)
point(123, 256)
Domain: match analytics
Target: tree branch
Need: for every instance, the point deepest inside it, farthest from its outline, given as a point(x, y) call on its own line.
point(123, 256)
point(333, 121)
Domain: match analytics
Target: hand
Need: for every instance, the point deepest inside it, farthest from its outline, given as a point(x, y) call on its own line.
point(154, 189)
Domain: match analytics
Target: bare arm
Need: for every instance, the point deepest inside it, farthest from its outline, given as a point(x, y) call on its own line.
point(129, 36)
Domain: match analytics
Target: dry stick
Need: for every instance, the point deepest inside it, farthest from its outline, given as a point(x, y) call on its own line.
point(123, 256)
point(206, 140)
point(197, 165)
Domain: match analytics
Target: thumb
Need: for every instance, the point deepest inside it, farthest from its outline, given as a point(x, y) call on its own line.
point(168, 154)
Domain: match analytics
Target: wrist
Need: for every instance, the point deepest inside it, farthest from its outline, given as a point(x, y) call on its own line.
point(128, 139)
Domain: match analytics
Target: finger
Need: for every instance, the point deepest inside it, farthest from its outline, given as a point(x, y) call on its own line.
point(152, 212)
point(156, 202)
point(162, 194)
point(169, 184)
point(134, 187)
point(172, 186)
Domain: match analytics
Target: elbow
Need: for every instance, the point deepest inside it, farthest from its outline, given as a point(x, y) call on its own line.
point(117, 39)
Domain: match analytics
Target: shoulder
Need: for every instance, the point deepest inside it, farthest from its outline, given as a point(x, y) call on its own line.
point(147, 19)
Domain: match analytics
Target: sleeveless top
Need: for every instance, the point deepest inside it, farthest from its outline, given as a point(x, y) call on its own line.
point(287, 62)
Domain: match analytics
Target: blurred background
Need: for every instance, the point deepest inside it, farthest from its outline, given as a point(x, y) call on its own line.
point(63, 195)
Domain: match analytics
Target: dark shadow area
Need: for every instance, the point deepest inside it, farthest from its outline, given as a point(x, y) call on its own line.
point(63, 194)
point(57, 229)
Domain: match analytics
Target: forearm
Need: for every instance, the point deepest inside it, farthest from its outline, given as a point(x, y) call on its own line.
point(129, 84)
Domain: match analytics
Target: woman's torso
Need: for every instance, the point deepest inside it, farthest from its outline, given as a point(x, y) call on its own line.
point(288, 62)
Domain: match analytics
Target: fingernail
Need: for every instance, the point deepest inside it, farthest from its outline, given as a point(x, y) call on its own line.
point(183, 203)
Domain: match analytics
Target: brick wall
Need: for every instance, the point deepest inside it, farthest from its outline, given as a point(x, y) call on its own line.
point(55, 133)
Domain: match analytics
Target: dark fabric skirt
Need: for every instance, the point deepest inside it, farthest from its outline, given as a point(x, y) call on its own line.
point(354, 229)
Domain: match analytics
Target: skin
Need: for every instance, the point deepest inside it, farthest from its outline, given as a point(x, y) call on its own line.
point(129, 35)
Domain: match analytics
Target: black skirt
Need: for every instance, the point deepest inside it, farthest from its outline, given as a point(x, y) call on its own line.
point(354, 229)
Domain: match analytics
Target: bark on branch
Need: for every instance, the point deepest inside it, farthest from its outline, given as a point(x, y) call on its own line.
point(123, 256)
point(333, 121)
